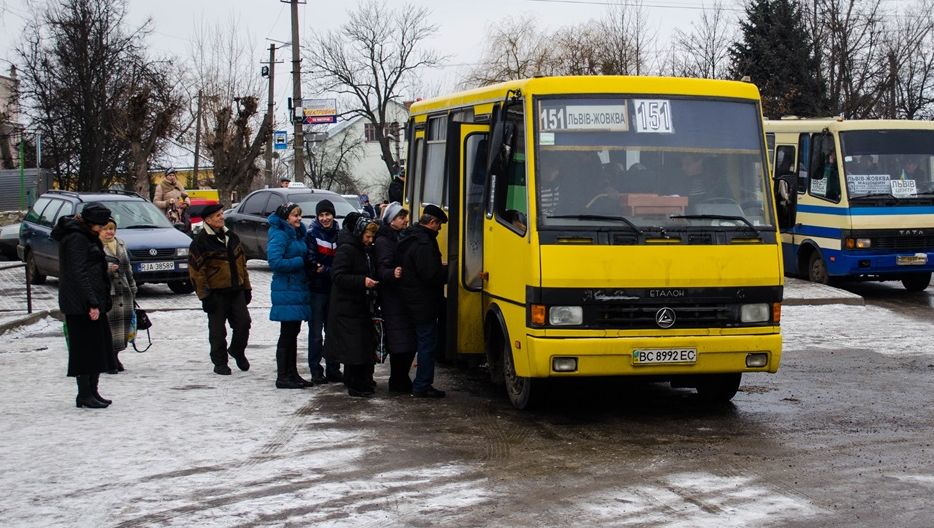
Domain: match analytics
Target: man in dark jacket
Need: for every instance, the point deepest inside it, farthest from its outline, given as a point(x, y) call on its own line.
point(217, 267)
point(423, 280)
point(396, 188)
point(321, 240)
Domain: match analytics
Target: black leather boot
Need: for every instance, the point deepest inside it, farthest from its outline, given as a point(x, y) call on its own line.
point(284, 379)
point(85, 398)
point(293, 364)
point(95, 378)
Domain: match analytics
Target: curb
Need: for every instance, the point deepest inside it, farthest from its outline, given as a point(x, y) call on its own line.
point(27, 320)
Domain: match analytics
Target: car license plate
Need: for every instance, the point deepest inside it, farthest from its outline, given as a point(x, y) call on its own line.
point(918, 259)
point(664, 356)
point(156, 266)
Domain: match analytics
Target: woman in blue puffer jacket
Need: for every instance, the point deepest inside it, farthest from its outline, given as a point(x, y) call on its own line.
point(291, 303)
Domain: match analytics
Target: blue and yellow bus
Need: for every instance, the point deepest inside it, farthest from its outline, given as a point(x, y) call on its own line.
point(604, 226)
point(855, 198)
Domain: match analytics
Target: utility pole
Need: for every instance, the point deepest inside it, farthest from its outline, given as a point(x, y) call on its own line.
point(194, 171)
point(270, 112)
point(297, 136)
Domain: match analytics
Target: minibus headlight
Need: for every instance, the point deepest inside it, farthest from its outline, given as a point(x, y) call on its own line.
point(754, 313)
point(565, 315)
point(564, 364)
point(857, 243)
point(181, 252)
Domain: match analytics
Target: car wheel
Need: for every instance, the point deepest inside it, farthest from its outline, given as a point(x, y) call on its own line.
point(718, 388)
point(916, 282)
point(32, 270)
point(182, 287)
point(524, 393)
point(817, 269)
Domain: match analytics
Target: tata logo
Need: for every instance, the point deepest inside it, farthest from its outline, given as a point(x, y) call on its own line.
point(665, 318)
point(153, 252)
point(911, 232)
point(666, 293)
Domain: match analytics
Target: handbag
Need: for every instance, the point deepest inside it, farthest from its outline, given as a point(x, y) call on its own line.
point(139, 322)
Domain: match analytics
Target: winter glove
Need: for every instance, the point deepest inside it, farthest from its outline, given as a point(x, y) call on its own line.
point(248, 294)
point(208, 303)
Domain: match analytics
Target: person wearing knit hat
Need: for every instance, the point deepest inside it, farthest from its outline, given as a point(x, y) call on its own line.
point(393, 210)
point(321, 240)
point(324, 206)
point(400, 332)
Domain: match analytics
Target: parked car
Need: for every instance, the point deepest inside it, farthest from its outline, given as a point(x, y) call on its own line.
point(158, 251)
point(9, 238)
point(249, 218)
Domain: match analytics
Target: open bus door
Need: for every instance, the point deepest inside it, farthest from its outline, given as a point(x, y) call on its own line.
point(466, 175)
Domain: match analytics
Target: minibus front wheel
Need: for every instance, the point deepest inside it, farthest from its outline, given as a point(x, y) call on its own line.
point(718, 388)
point(524, 393)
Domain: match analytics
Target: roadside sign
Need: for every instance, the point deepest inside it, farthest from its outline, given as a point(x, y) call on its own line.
point(280, 140)
point(318, 111)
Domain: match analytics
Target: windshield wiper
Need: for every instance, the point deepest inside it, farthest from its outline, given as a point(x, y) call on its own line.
point(745, 221)
point(141, 226)
point(623, 219)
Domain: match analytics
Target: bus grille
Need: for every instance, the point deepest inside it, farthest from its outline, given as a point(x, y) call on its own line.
point(903, 243)
point(143, 254)
point(687, 316)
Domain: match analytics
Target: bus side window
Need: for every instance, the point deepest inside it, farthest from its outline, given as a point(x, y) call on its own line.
point(770, 148)
point(824, 173)
point(804, 156)
point(512, 197)
point(433, 186)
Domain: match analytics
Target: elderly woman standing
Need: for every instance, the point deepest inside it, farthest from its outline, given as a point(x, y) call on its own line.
point(122, 289)
point(84, 299)
point(400, 331)
point(351, 337)
point(291, 301)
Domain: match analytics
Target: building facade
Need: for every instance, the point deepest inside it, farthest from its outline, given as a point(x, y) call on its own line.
point(9, 121)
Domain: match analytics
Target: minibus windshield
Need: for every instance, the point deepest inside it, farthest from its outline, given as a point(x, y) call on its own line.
point(662, 162)
point(887, 164)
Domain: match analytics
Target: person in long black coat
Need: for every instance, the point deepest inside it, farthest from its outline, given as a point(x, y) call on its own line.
point(351, 336)
point(84, 299)
point(400, 331)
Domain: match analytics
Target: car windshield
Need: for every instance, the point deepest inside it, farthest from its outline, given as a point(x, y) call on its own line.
point(308, 201)
point(888, 163)
point(136, 214)
point(629, 161)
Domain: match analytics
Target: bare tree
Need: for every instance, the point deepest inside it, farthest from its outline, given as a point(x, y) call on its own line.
point(704, 51)
point(625, 39)
point(79, 62)
point(330, 162)
point(225, 71)
point(370, 57)
point(515, 49)
point(234, 147)
point(150, 116)
point(909, 47)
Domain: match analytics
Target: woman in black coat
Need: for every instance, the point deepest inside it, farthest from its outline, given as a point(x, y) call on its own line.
point(400, 332)
point(84, 299)
point(351, 337)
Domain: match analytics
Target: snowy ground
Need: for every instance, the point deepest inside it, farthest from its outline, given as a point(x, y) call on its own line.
point(181, 446)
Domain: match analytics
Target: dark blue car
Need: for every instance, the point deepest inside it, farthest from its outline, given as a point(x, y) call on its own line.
point(158, 251)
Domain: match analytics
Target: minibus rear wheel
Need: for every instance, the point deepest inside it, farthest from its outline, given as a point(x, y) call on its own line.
point(916, 282)
point(524, 393)
point(817, 269)
point(718, 388)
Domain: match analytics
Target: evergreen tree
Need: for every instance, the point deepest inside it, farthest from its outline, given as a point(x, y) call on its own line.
point(775, 52)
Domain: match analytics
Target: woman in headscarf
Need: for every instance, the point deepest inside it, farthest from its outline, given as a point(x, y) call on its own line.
point(122, 289)
point(351, 336)
point(84, 299)
point(400, 332)
point(285, 253)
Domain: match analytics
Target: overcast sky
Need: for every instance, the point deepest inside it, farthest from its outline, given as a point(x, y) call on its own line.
point(462, 23)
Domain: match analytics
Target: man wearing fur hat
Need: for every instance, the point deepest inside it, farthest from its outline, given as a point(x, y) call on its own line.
point(217, 267)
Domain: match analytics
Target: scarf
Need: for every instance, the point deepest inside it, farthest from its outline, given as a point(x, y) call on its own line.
point(168, 187)
point(111, 247)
